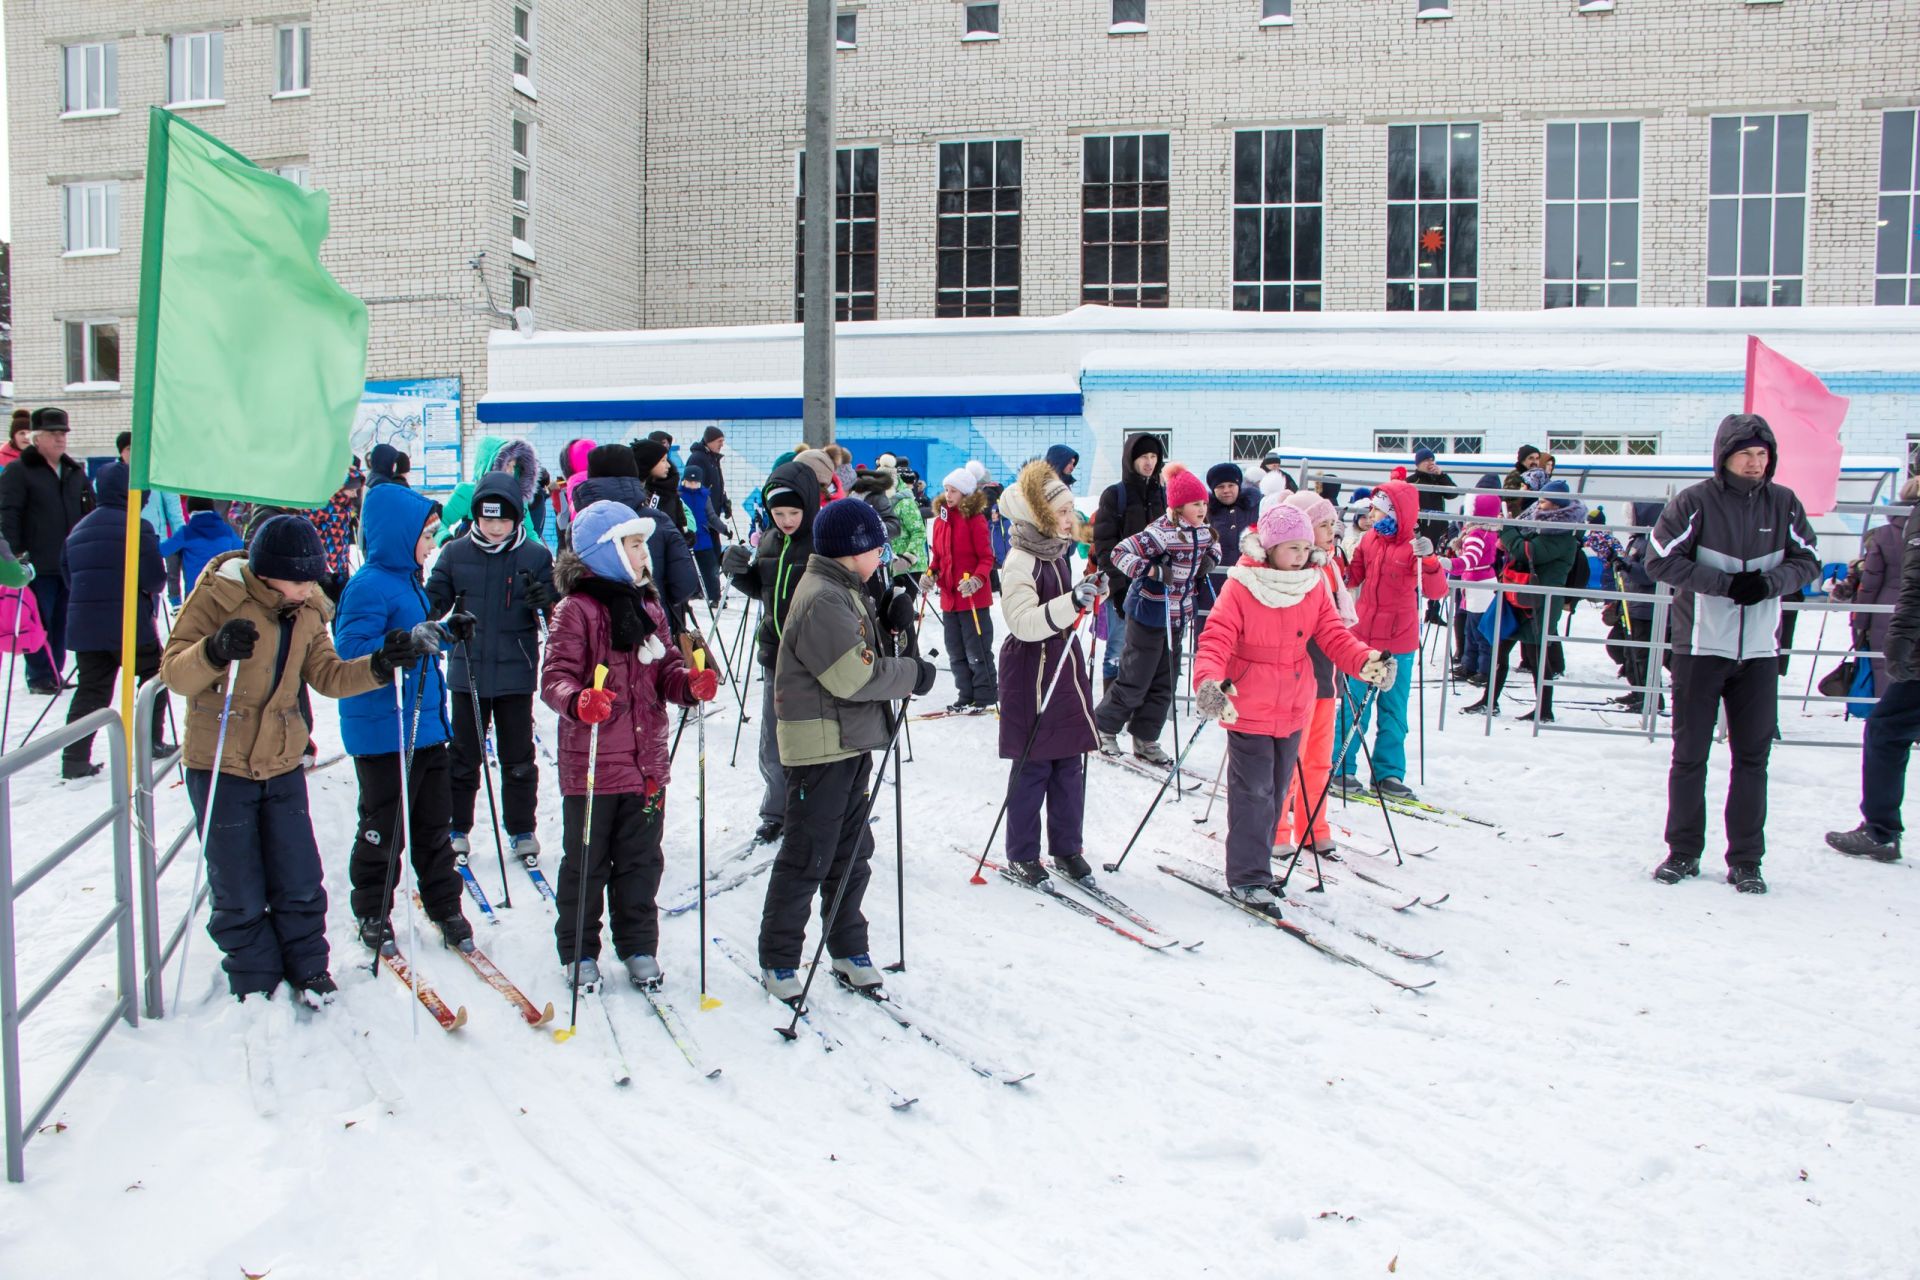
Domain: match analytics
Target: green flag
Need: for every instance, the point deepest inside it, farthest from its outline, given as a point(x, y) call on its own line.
point(251, 357)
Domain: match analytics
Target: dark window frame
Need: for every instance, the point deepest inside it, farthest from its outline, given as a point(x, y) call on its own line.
point(1433, 216)
point(977, 227)
point(1277, 215)
point(1592, 213)
point(1126, 187)
point(856, 281)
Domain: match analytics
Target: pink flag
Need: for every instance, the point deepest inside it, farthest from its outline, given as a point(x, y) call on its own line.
point(1805, 418)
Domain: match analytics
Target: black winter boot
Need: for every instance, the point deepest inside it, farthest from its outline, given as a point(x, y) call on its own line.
point(1031, 874)
point(1676, 868)
point(456, 932)
point(1746, 878)
point(1865, 841)
point(1073, 866)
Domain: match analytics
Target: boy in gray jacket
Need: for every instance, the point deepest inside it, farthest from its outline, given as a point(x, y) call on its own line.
point(831, 687)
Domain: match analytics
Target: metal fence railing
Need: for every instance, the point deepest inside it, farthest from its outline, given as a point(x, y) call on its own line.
point(14, 1010)
point(153, 861)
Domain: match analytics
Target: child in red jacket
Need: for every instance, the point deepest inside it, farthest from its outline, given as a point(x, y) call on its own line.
point(1316, 747)
point(962, 567)
point(1253, 672)
point(610, 615)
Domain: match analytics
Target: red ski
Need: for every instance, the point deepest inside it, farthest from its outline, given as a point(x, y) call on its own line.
point(449, 1019)
point(490, 974)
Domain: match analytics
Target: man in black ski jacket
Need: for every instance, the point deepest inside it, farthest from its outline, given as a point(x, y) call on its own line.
point(1730, 547)
point(1894, 725)
point(1127, 506)
point(42, 497)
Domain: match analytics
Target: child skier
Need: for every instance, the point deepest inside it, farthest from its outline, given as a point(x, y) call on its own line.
point(1316, 746)
point(204, 536)
point(1252, 671)
point(610, 616)
point(771, 574)
point(503, 576)
point(1472, 569)
point(963, 566)
point(1046, 716)
point(1397, 569)
point(263, 867)
point(385, 599)
point(1169, 558)
point(831, 693)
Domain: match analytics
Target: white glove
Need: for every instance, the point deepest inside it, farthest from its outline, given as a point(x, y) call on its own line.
point(1381, 670)
point(1087, 592)
point(1423, 547)
point(969, 585)
point(428, 638)
point(1214, 701)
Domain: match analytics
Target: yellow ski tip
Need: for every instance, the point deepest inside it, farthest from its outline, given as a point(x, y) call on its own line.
point(708, 1003)
point(562, 1034)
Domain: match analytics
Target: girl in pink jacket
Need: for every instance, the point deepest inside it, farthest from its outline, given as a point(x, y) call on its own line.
point(1472, 571)
point(1253, 672)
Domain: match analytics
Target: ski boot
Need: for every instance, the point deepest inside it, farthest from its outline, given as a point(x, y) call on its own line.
point(1676, 868)
point(77, 772)
point(587, 971)
point(1865, 841)
point(455, 932)
point(1528, 717)
point(1393, 789)
point(1260, 897)
point(1031, 874)
point(857, 973)
point(1151, 753)
point(1484, 707)
point(1073, 866)
point(644, 972)
point(782, 984)
point(376, 934)
point(1746, 878)
point(769, 830)
point(526, 847)
point(1109, 744)
point(316, 990)
point(461, 847)
point(959, 707)
point(1347, 784)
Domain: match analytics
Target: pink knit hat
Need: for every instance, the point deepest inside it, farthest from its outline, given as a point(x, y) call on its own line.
point(1284, 523)
point(1183, 486)
point(1316, 508)
point(1485, 506)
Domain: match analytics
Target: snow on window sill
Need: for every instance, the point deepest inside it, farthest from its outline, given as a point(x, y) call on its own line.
point(1278, 20)
point(524, 87)
point(521, 249)
point(91, 113)
point(192, 106)
point(89, 253)
point(979, 37)
point(841, 46)
point(290, 93)
point(1433, 15)
point(92, 386)
point(1127, 29)
point(1596, 6)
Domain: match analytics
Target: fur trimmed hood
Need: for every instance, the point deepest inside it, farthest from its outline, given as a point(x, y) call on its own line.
point(974, 504)
point(878, 480)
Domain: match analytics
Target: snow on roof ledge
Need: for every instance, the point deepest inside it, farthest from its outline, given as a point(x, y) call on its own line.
point(789, 388)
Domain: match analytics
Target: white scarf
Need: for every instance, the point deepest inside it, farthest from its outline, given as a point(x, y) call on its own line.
point(1277, 588)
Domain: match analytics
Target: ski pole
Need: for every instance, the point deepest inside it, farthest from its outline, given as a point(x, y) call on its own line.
point(1385, 813)
point(1213, 794)
point(206, 819)
point(974, 612)
point(400, 838)
point(1173, 691)
point(480, 745)
point(791, 1030)
point(1313, 814)
point(1419, 603)
point(1067, 655)
point(706, 1001)
point(1177, 766)
point(747, 687)
point(565, 1033)
point(900, 859)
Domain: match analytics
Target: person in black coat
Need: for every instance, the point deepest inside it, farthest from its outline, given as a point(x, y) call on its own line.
point(387, 465)
point(94, 567)
point(42, 499)
point(504, 578)
point(1127, 506)
point(662, 479)
point(1233, 507)
point(613, 475)
point(705, 457)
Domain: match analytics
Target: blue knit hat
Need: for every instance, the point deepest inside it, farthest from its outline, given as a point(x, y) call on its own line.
point(847, 527)
point(287, 548)
point(1224, 473)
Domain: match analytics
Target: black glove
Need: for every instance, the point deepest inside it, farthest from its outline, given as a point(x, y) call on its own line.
point(233, 642)
point(736, 559)
point(1748, 587)
point(1161, 573)
point(1899, 658)
point(397, 651)
point(899, 610)
point(538, 593)
point(459, 626)
point(928, 673)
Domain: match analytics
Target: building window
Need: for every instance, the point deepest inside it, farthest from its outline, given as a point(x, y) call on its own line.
point(1433, 217)
point(977, 268)
point(1593, 215)
point(1276, 219)
point(522, 290)
point(523, 33)
point(856, 273)
point(1757, 211)
point(1897, 263)
point(1601, 444)
point(300, 175)
point(1276, 13)
point(93, 355)
point(1394, 442)
point(521, 190)
point(1251, 446)
point(1129, 17)
point(1428, 10)
point(90, 217)
point(193, 69)
point(296, 59)
point(89, 78)
point(846, 30)
point(983, 22)
point(1123, 220)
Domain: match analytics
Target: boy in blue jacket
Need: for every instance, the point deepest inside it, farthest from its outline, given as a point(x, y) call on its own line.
point(384, 601)
point(205, 535)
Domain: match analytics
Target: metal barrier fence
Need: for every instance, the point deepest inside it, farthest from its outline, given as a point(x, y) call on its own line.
point(154, 863)
point(119, 921)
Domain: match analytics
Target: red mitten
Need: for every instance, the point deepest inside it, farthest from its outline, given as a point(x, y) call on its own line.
point(593, 706)
point(704, 684)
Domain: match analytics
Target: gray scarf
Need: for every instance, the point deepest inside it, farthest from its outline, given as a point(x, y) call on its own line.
point(1028, 538)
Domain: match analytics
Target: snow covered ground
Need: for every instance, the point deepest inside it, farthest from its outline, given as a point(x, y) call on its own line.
point(1608, 1078)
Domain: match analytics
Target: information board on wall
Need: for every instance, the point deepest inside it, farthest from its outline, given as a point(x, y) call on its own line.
point(421, 418)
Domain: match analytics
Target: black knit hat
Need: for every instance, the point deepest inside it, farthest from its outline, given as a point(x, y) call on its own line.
point(1224, 473)
point(612, 460)
point(847, 527)
point(646, 455)
point(287, 548)
point(711, 434)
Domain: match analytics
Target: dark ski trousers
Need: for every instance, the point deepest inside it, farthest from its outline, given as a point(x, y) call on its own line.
point(44, 664)
point(970, 655)
point(623, 870)
point(510, 716)
point(826, 838)
point(1500, 657)
point(95, 675)
point(263, 870)
point(1058, 783)
point(429, 799)
point(708, 562)
point(773, 796)
point(1139, 698)
point(1259, 771)
point(1700, 686)
point(1892, 729)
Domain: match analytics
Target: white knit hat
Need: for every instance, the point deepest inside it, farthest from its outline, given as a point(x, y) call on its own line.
point(963, 480)
point(979, 470)
point(1273, 491)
